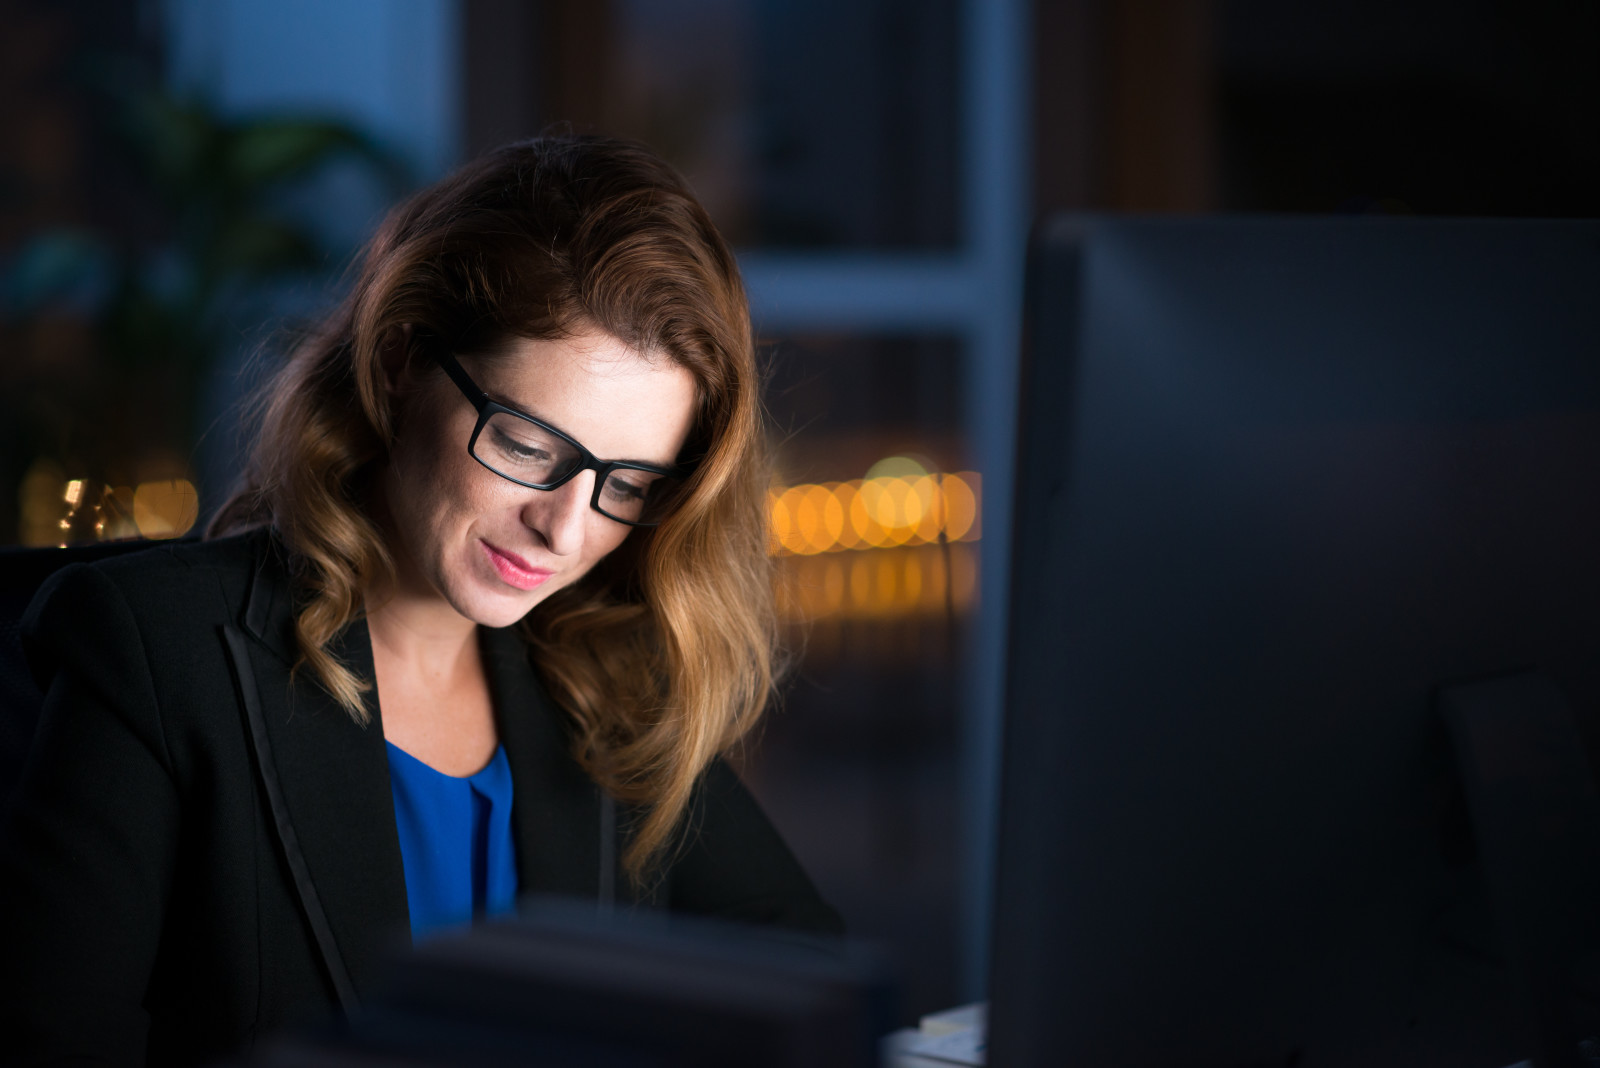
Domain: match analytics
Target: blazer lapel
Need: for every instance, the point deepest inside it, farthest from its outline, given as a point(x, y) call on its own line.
point(327, 780)
point(556, 809)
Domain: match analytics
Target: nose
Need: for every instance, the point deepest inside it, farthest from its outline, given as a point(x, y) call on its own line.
point(561, 515)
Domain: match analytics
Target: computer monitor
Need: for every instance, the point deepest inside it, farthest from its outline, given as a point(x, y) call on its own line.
point(1303, 681)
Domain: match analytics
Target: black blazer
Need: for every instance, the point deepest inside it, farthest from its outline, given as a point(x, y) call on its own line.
point(203, 849)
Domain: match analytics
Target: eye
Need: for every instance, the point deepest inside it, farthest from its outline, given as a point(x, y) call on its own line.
point(521, 450)
point(631, 487)
point(509, 446)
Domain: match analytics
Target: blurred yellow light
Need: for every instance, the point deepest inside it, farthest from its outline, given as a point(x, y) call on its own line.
point(961, 500)
point(874, 513)
point(811, 596)
point(908, 505)
point(866, 529)
point(894, 583)
point(783, 528)
point(41, 502)
point(860, 583)
point(884, 584)
point(880, 501)
point(930, 509)
point(833, 587)
point(115, 514)
point(806, 518)
point(165, 509)
point(846, 493)
point(963, 579)
point(906, 467)
point(833, 521)
point(777, 519)
point(74, 492)
point(933, 589)
point(789, 531)
point(911, 583)
point(818, 518)
point(890, 504)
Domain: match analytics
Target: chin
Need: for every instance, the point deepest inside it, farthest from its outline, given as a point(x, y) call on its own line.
point(490, 610)
point(499, 605)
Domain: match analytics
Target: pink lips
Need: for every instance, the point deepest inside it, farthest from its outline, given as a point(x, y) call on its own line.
point(514, 569)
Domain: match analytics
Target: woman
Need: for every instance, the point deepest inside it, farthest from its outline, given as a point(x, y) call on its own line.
point(437, 653)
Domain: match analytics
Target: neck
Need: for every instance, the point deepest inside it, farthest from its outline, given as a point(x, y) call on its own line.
point(418, 629)
point(420, 644)
point(432, 691)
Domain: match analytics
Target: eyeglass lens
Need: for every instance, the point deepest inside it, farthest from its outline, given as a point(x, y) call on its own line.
point(524, 452)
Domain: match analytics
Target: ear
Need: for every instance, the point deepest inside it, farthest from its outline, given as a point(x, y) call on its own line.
point(394, 359)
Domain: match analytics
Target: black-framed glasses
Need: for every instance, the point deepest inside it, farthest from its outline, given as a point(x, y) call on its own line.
point(532, 453)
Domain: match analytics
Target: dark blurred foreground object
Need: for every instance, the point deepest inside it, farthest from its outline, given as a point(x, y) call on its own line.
point(564, 986)
point(22, 572)
point(1303, 687)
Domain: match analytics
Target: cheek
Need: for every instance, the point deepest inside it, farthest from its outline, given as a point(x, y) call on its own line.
point(456, 497)
point(605, 546)
point(433, 487)
point(605, 540)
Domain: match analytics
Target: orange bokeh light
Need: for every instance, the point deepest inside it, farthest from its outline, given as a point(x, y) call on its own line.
point(874, 513)
point(892, 583)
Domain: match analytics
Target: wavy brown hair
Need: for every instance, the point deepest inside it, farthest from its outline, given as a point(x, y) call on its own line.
point(663, 656)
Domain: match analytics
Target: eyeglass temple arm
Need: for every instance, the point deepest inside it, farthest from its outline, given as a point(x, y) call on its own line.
point(458, 375)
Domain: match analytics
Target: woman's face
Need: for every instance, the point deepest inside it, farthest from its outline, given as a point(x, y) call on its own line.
point(492, 549)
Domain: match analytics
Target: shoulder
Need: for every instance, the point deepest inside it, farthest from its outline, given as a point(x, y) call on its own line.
point(168, 595)
point(176, 578)
point(176, 566)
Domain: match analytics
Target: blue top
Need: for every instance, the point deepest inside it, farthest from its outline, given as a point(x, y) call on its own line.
point(455, 841)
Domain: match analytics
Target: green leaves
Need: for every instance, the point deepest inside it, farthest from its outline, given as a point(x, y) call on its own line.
point(221, 181)
point(271, 150)
point(217, 230)
point(258, 247)
point(190, 152)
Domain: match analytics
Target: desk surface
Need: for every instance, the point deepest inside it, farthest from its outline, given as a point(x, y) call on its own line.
point(895, 1055)
point(957, 1036)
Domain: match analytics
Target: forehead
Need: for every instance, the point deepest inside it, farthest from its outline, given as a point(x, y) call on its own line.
point(617, 402)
